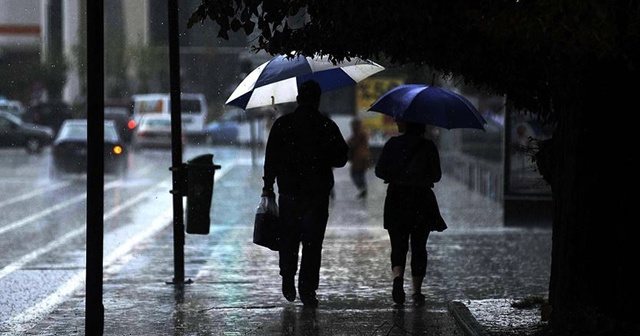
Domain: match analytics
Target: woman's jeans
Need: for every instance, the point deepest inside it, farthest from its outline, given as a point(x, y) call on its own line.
point(304, 221)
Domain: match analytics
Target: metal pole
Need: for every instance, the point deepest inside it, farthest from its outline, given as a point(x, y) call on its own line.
point(176, 144)
point(94, 318)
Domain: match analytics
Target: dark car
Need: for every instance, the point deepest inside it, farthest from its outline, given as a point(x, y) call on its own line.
point(16, 133)
point(69, 149)
point(120, 110)
point(50, 114)
point(124, 123)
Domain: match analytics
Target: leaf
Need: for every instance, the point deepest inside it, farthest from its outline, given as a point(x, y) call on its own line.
point(236, 25)
point(248, 27)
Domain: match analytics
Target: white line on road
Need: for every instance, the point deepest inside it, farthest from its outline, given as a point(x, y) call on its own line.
point(60, 241)
point(54, 208)
point(51, 209)
point(34, 193)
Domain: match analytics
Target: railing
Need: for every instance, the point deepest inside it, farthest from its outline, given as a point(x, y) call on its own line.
point(484, 177)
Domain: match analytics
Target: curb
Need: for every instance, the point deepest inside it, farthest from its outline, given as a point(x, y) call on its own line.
point(465, 320)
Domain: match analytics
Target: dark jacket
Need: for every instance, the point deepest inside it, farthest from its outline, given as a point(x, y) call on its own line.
point(410, 164)
point(359, 152)
point(302, 149)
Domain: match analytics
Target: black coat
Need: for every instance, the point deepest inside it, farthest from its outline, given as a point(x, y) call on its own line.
point(302, 150)
point(410, 164)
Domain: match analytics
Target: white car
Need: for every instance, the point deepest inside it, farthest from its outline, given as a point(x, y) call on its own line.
point(153, 131)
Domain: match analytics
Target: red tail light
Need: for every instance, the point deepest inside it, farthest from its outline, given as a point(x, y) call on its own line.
point(131, 124)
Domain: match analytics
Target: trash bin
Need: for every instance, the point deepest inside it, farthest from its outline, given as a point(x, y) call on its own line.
point(199, 175)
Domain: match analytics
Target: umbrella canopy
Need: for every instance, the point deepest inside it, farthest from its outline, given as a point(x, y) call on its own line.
point(276, 81)
point(430, 105)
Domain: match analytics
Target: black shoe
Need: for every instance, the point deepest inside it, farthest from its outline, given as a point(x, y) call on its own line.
point(309, 300)
point(418, 298)
point(398, 290)
point(289, 288)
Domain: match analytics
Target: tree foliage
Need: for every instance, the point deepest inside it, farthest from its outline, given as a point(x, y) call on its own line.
point(571, 62)
point(535, 52)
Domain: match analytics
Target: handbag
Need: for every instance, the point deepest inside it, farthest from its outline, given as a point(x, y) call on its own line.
point(266, 229)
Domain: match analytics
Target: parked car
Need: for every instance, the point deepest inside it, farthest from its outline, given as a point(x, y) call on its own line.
point(69, 149)
point(16, 133)
point(50, 114)
point(153, 131)
point(14, 107)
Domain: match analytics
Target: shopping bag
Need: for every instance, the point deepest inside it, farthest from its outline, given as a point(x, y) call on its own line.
point(265, 227)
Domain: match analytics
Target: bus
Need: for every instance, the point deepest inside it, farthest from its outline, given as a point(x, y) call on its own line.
point(193, 107)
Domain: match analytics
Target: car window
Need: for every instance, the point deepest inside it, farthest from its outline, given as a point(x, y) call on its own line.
point(157, 122)
point(14, 107)
point(10, 118)
point(110, 133)
point(5, 123)
point(79, 131)
point(190, 105)
point(73, 131)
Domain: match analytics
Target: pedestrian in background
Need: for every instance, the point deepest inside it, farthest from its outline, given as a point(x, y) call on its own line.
point(302, 149)
point(359, 156)
point(410, 164)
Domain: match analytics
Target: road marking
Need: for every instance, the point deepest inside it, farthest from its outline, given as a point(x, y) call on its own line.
point(60, 241)
point(27, 319)
point(56, 207)
point(51, 209)
point(34, 193)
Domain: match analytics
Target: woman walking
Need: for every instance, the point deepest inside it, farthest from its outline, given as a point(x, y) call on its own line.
point(410, 165)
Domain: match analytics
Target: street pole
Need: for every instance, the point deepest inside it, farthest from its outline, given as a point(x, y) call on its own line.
point(94, 316)
point(176, 144)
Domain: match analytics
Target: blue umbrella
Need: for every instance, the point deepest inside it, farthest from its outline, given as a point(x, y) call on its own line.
point(430, 105)
point(276, 81)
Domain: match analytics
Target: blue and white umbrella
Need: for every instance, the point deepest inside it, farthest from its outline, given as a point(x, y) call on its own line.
point(276, 81)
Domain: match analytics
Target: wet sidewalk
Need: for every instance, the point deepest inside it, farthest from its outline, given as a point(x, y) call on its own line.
point(234, 288)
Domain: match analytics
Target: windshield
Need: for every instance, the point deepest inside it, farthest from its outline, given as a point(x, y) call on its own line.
point(12, 117)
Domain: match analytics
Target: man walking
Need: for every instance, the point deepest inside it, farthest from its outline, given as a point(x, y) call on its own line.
point(302, 149)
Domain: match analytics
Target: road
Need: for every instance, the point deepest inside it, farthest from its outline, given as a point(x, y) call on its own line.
point(43, 223)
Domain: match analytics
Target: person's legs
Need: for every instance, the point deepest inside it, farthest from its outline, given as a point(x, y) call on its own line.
point(418, 261)
point(399, 248)
point(359, 180)
point(313, 224)
point(289, 244)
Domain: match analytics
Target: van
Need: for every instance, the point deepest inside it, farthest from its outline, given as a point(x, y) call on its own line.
point(194, 111)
